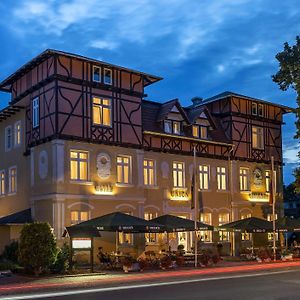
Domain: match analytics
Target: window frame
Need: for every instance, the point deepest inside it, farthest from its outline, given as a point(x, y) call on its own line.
point(78, 161)
point(224, 235)
point(79, 215)
point(172, 126)
point(177, 171)
point(207, 234)
point(148, 169)
point(244, 181)
point(35, 112)
point(2, 183)
point(259, 132)
point(12, 184)
point(254, 106)
point(100, 77)
point(202, 175)
point(101, 107)
point(111, 76)
point(8, 142)
point(220, 177)
point(123, 165)
point(260, 110)
point(17, 134)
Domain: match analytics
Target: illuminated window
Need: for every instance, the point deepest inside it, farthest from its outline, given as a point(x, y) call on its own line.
point(17, 134)
point(102, 111)
point(203, 132)
point(96, 74)
point(150, 237)
point(124, 169)
point(246, 236)
point(206, 236)
point(149, 172)
point(260, 110)
point(254, 109)
point(257, 137)
point(79, 216)
point(107, 76)
point(270, 234)
point(203, 177)
point(35, 113)
point(195, 131)
point(178, 175)
point(223, 219)
point(12, 180)
point(79, 161)
point(2, 182)
point(172, 127)
point(176, 127)
point(221, 178)
point(8, 138)
point(244, 179)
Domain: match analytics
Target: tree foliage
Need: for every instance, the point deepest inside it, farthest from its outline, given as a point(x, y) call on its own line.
point(37, 247)
point(288, 76)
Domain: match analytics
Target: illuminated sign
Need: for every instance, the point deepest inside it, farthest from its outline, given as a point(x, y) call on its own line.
point(258, 197)
point(179, 194)
point(81, 243)
point(104, 189)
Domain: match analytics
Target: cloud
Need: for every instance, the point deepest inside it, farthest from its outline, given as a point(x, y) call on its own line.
point(104, 44)
point(290, 154)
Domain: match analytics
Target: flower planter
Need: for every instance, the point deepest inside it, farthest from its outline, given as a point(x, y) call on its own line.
point(131, 268)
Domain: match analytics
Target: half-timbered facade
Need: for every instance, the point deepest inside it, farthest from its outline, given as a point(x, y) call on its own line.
point(79, 140)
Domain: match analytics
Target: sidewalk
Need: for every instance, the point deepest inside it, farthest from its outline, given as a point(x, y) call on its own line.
point(22, 284)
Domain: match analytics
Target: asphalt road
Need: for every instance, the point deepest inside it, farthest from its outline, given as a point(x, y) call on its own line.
point(283, 284)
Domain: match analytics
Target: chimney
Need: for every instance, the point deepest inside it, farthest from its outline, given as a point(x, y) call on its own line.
point(197, 101)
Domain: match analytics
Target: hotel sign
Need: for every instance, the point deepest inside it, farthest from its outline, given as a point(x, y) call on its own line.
point(179, 194)
point(104, 189)
point(258, 197)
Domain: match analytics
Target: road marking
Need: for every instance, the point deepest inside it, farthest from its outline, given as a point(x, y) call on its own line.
point(128, 287)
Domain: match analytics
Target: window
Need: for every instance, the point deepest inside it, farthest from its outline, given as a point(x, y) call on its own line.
point(203, 177)
point(2, 182)
point(107, 76)
point(8, 138)
point(79, 165)
point(17, 134)
point(12, 180)
point(206, 236)
point(244, 179)
point(96, 74)
point(195, 131)
point(35, 113)
point(79, 216)
point(172, 126)
point(102, 111)
point(254, 109)
point(203, 132)
point(124, 169)
point(221, 178)
point(257, 137)
point(223, 219)
point(150, 237)
point(246, 236)
point(149, 172)
point(270, 234)
point(178, 175)
point(260, 110)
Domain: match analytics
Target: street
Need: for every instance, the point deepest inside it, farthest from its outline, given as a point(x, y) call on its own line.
point(280, 284)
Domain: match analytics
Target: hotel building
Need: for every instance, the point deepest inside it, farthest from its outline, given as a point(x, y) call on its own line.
point(78, 140)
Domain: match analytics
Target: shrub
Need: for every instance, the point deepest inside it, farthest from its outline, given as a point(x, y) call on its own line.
point(61, 264)
point(11, 252)
point(37, 251)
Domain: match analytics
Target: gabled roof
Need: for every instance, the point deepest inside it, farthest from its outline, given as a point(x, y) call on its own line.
point(21, 217)
point(232, 94)
point(167, 107)
point(5, 84)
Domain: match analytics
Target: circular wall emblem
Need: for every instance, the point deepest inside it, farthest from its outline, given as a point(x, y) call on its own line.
point(103, 165)
point(257, 177)
point(43, 164)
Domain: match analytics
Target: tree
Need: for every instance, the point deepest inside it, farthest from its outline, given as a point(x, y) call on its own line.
point(37, 247)
point(287, 77)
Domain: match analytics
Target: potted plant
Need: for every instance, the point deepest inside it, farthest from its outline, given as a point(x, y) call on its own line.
point(143, 264)
point(165, 262)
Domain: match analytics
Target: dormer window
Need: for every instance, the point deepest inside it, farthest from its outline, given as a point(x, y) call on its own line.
point(172, 127)
point(260, 110)
point(203, 132)
point(195, 131)
point(200, 132)
point(254, 109)
point(107, 76)
point(96, 74)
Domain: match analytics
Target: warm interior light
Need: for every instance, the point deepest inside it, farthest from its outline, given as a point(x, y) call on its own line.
point(82, 244)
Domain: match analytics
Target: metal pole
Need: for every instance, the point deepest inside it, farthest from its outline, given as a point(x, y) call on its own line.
point(196, 209)
point(232, 234)
point(273, 207)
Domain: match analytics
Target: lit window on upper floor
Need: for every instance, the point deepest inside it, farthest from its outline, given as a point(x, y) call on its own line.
point(178, 175)
point(244, 179)
point(8, 138)
point(12, 180)
point(107, 76)
point(200, 132)
point(102, 111)
point(17, 134)
point(203, 177)
point(254, 108)
point(79, 216)
point(149, 172)
point(79, 165)
point(96, 74)
point(257, 137)
point(221, 178)
point(2, 182)
point(172, 127)
point(124, 170)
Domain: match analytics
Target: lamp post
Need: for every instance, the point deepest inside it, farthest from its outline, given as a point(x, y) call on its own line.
point(195, 208)
point(273, 191)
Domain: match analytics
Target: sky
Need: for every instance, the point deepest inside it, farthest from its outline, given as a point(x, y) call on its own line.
point(199, 47)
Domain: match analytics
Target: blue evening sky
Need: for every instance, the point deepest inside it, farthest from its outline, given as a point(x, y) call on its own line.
point(200, 47)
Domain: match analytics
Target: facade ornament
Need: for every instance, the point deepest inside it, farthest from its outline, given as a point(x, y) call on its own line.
point(43, 164)
point(257, 177)
point(103, 165)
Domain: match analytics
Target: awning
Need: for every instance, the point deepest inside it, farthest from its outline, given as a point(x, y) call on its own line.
point(18, 218)
point(251, 225)
point(81, 232)
point(177, 224)
point(287, 224)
